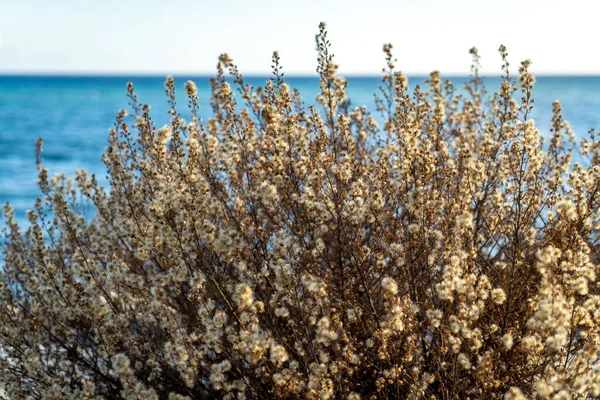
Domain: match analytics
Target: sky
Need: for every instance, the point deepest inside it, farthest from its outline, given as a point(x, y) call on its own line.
point(186, 36)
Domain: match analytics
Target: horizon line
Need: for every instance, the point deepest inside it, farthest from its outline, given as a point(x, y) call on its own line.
point(140, 74)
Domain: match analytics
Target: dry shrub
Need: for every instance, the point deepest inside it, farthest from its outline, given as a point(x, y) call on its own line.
point(284, 251)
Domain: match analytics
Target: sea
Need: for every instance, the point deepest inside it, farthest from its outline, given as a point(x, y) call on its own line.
point(74, 113)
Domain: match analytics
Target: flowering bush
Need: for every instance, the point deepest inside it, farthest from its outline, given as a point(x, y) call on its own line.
point(284, 251)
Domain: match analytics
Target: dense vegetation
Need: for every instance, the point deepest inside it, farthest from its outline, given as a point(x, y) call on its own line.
point(284, 251)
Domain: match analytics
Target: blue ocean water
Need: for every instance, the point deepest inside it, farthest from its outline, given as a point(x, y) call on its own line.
point(73, 114)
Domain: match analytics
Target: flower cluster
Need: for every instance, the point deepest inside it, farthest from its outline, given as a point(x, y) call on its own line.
point(283, 251)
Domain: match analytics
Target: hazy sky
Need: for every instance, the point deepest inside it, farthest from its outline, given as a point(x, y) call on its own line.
point(186, 36)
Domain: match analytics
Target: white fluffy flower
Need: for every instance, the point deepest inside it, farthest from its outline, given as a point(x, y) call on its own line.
point(244, 296)
point(498, 296)
point(389, 285)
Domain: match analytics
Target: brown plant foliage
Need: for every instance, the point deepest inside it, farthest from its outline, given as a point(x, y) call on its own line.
point(284, 251)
